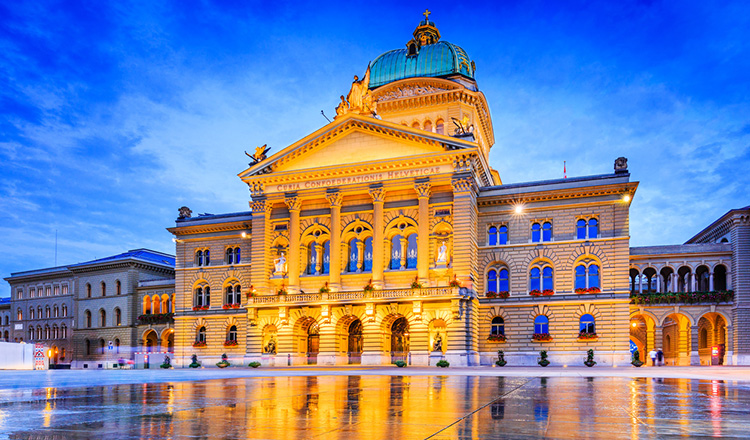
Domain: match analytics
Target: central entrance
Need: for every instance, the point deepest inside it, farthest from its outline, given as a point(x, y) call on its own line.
point(400, 340)
point(355, 342)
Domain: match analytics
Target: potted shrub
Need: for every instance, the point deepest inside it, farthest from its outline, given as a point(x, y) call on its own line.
point(281, 291)
point(542, 360)
point(167, 363)
point(443, 363)
point(194, 362)
point(454, 283)
point(254, 364)
point(589, 361)
point(635, 359)
point(500, 362)
point(250, 292)
point(416, 284)
point(223, 363)
point(400, 364)
point(324, 289)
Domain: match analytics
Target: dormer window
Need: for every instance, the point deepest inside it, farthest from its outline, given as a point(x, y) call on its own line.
point(412, 49)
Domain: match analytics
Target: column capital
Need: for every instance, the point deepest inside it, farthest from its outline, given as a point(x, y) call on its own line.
point(464, 184)
point(378, 194)
point(293, 202)
point(260, 206)
point(335, 198)
point(422, 188)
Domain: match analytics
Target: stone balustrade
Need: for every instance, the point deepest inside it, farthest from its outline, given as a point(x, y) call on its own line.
point(378, 295)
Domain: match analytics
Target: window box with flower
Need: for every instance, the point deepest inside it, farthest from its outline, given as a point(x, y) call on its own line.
point(548, 292)
point(199, 344)
point(230, 343)
point(535, 292)
point(496, 338)
point(541, 337)
point(502, 295)
point(587, 336)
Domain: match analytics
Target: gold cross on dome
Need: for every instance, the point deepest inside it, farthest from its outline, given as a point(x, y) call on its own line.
point(426, 14)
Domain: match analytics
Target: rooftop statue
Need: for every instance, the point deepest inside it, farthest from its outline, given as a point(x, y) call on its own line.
point(359, 99)
point(260, 154)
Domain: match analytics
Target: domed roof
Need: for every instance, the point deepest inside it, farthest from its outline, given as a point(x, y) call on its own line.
point(424, 55)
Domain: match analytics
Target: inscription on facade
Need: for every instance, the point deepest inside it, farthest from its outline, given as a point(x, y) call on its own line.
point(365, 178)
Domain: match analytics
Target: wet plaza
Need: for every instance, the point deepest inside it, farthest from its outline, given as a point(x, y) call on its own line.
point(380, 407)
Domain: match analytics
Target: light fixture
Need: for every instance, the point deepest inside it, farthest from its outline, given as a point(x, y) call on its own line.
point(244, 234)
point(519, 209)
point(634, 324)
point(626, 198)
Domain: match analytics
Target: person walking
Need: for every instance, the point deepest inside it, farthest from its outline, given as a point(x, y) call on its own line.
point(652, 355)
point(659, 357)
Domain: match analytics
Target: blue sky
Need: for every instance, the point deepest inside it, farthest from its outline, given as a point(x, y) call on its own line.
point(115, 114)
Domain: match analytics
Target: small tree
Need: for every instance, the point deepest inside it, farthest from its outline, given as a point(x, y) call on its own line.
point(636, 358)
point(589, 361)
point(542, 360)
point(194, 363)
point(224, 362)
point(500, 362)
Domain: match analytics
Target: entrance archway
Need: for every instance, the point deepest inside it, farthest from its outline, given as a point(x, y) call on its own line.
point(675, 341)
point(355, 342)
point(313, 343)
point(399, 340)
point(150, 342)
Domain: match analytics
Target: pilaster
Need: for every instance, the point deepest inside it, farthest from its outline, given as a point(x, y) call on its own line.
point(335, 199)
point(294, 204)
point(464, 230)
point(423, 226)
point(260, 270)
point(378, 259)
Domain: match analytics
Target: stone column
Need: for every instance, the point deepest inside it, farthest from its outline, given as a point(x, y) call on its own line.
point(683, 345)
point(260, 270)
point(423, 239)
point(374, 349)
point(334, 266)
point(293, 264)
point(328, 342)
point(695, 358)
point(711, 282)
point(693, 282)
point(658, 283)
point(640, 283)
point(378, 257)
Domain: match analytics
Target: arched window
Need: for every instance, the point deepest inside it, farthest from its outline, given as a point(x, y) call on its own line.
point(118, 317)
point(367, 263)
point(31, 333)
point(593, 228)
point(353, 255)
point(536, 233)
point(541, 325)
point(587, 324)
point(547, 231)
point(104, 288)
point(101, 346)
point(492, 280)
point(32, 292)
point(581, 229)
point(439, 127)
point(46, 332)
point(396, 252)
point(31, 313)
point(19, 315)
point(326, 256)
point(47, 313)
point(199, 258)
point(498, 326)
point(203, 296)
point(237, 294)
point(587, 278)
point(232, 334)
point(118, 287)
point(427, 126)
point(146, 305)
point(87, 319)
point(411, 252)
point(503, 281)
point(102, 318)
point(312, 258)
point(201, 335)
point(39, 332)
point(535, 279)
point(88, 290)
point(594, 277)
point(64, 311)
point(492, 236)
point(415, 124)
point(64, 331)
point(87, 345)
point(502, 235)
point(56, 312)
point(229, 256)
point(117, 346)
point(547, 280)
point(237, 255)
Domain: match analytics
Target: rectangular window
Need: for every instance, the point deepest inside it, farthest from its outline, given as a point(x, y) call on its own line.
point(47, 291)
point(64, 289)
point(57, 290)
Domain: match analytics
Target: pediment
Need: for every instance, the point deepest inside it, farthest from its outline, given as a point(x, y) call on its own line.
point(356, 140)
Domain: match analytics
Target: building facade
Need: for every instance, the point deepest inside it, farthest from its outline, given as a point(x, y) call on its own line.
point(78, 310)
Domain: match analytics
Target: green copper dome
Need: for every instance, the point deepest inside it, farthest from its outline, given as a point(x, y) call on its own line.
point(439, 59)
point(425, 55)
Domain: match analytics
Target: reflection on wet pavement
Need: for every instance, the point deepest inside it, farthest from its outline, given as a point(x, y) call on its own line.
point(383, 407)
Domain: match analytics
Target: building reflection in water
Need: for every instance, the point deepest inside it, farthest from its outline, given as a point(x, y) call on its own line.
point(380, 407)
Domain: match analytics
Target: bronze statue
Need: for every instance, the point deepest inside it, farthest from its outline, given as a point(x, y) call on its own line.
point(260, 154)
point(359, 99)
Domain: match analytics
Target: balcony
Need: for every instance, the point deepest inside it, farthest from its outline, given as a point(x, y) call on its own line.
point(157, 318)
point(357, 296)
point(649, 299)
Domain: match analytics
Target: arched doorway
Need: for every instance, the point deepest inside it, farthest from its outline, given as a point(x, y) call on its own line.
point(399, 340)
point(355, 342)
point(167, 340)
point(55, 354)
point(313, 343)
point(675, 341)
point(150, 341)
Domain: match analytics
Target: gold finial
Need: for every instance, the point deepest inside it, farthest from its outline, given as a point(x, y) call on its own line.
point(426, 14)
